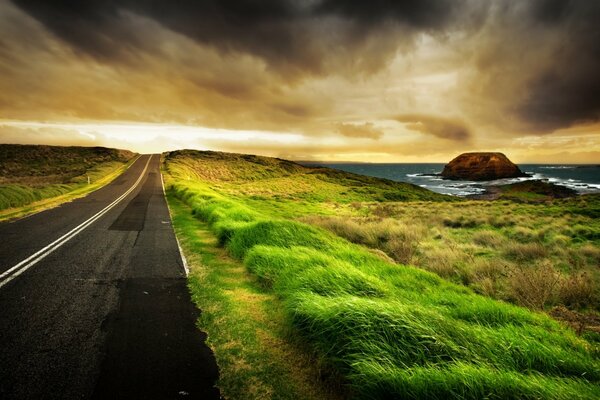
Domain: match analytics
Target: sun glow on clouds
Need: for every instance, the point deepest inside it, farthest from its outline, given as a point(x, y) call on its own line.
point(156, 138)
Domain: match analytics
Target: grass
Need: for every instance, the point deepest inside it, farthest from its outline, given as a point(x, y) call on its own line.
point(390, 330)
point(534, 191)
point(454, 240)
point(34, 178)
point(255, 358)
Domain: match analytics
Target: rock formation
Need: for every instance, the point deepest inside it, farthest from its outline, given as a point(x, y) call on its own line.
point(481, 167)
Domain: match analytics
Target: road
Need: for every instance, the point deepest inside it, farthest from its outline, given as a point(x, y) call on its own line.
point(104, 312)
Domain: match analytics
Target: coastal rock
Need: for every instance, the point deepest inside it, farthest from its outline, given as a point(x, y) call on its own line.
point(481, 167)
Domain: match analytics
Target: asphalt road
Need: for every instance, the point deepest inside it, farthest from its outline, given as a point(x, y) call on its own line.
point(105, 314)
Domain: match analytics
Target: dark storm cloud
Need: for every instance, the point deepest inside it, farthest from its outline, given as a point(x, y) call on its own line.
point(286, 34)
point(93, 27)
point(536, 61)
point(566, 90)
point(418, 13)
point(444, 128)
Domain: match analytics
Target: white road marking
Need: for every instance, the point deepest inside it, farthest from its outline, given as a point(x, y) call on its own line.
point(30, 261)
point(183, 260)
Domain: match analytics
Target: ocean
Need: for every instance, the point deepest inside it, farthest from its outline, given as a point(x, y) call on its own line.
point(582, 178)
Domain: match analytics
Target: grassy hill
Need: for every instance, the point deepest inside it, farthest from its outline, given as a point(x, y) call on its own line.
point(272, 180)
point(30, 174)
point(374, 326)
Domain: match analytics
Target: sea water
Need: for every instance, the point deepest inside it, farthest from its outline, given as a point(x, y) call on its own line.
point(582, 178)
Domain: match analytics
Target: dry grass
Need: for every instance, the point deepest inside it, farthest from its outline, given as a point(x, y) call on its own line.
point(525, 251)
point(577, 290)
point(399, 241)
point(502, 250)
point(488, 238)
point(535, 286)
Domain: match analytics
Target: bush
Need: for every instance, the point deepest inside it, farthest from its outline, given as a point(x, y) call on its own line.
point(535, 286)
point(577, 290)
point(401, 250)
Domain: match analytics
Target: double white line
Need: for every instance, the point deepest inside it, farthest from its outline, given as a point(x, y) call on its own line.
point(30, 261)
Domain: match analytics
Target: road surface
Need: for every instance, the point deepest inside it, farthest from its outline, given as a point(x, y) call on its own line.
point(94, 302)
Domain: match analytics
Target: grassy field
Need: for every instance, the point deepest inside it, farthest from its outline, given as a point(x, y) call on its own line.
point(37, 177)
point(541, 256)
point(329, 251)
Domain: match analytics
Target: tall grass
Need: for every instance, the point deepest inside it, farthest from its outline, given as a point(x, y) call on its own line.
point(466, 247)
point(395, 331)
point(29, 174)
point(20, 195)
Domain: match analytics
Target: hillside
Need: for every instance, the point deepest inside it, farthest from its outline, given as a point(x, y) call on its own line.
point(287, 259)
point(40, 165)
point(272, 178)
point(30, 174)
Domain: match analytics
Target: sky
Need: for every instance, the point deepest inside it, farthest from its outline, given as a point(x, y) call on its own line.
point(326, 80)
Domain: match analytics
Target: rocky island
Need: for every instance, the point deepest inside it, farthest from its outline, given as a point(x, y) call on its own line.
point(481, 167)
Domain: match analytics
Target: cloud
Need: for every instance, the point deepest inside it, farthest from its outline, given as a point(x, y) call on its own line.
point(510, 68)
point(444, 128)
point(291, 37)
point(537, 64)
point(425, 14)
point(45, 135)
point(366, 130)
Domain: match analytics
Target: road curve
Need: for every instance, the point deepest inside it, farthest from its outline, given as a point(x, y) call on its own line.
point(94, 302)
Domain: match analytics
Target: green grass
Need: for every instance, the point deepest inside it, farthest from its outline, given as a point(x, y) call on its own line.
point(497, 248)
point(255, 358)
point(33, 178)
point(534, 191)
point(390, 330)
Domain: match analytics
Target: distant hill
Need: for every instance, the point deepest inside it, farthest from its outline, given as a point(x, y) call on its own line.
point(287, 178)
point(37, 177)
point(40, 165)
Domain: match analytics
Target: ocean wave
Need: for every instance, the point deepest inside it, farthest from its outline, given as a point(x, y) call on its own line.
point(580, 179)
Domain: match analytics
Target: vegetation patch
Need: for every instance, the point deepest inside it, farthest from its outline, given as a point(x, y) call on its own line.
point(391, 330)
point(257, 355)
point(37, 177)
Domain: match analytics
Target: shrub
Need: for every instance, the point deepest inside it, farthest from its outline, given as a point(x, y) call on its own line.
point(535, 286)
point(401, 250)
point(577, 290)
